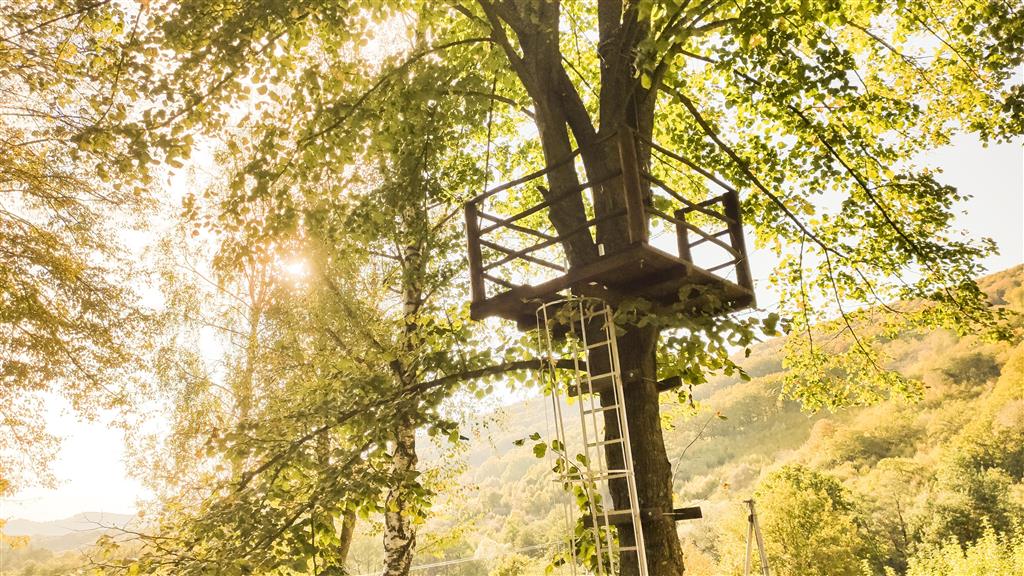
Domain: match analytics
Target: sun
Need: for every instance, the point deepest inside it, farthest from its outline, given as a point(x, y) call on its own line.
point(294, 268)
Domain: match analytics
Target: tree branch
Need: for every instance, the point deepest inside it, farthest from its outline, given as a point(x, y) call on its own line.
point(383, 79)
point(513, 366)
point(745, 168)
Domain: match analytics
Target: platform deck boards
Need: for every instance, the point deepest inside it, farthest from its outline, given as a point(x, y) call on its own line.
point(639, 270)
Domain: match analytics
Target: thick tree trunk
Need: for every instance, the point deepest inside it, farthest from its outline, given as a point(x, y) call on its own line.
point(650, 459)
point(399, 531)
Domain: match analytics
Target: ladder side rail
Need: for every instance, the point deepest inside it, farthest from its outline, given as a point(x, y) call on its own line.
point(568, 507)
point(607, 336)
point(602, 549)
point(634, 499)
point(614, 370)
point(587, 480)
point(600, 460)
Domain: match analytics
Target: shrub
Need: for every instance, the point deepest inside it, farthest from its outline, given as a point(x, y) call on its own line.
point(990, 555)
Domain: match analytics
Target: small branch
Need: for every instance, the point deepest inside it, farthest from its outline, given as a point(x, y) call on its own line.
point(700, 433)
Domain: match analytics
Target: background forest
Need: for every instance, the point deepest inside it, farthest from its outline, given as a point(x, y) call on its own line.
point(924, 487)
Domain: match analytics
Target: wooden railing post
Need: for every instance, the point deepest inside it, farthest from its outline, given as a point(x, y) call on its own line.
point(636, 214)
point(683, 236)
point(731, 203)
point(476, 266)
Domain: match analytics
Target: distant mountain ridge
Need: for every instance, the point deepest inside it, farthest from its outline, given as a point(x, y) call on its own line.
point(81, 522)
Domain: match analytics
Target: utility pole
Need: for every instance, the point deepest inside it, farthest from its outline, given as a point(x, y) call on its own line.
point(754, 533)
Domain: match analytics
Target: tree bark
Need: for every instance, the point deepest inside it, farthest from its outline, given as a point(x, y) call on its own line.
point(399, 531)
point(348, 532)
point(400, 508)
point(651, 465)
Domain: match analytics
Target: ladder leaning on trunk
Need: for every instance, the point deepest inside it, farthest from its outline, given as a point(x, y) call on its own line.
point(589, 463)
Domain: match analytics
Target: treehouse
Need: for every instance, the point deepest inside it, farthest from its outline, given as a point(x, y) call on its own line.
point(651, 240)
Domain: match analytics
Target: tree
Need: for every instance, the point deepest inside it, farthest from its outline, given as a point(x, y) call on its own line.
point(352, 361)
point(67, 309)
point(786, 100)
point(512, 565)
point(798, 506)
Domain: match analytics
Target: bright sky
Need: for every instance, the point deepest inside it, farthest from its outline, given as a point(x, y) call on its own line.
point(91, 468)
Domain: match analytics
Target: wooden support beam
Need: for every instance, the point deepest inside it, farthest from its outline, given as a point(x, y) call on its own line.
point(731, 203)
point(687, 513)
point(605, 384)
point(708, 237)
point(669, 383)
point(624, 517)
point(636, 215)
point(476, 273)
point(700, 241)
point(514, 255)
point(683, 236)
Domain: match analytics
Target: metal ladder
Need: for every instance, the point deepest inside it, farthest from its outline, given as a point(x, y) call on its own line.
point(580, 331)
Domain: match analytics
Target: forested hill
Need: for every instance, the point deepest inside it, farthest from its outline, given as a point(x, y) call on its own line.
point(858, 491)
point(905, 475)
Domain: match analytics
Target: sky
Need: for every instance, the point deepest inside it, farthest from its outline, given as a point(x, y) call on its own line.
point(91, 471)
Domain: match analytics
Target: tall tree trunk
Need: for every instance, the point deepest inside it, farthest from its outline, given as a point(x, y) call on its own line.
point(400, 508)
point(348, 532)
point(399, 531)
point(650, 460)
point(559, 113)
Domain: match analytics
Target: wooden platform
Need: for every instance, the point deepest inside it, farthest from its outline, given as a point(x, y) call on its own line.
point(640, 270)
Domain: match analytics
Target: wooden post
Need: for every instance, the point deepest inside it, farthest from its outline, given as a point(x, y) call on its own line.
point(683, 236)
point(476, 272)
point(636, 214)
point(731, 203)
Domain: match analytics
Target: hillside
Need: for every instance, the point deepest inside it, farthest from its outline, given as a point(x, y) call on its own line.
point(907, 475)
point(55, 547)
point(504, 503)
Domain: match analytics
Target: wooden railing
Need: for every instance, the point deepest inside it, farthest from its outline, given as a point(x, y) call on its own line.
point(721, 210)
point(513, 244)
point(501, 244)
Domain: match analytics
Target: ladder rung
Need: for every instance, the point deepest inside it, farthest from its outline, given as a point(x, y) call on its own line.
point(602, 376)
point(609, 517)
point(628, 549)
point(610, 476)
point(598, 344)
point(604, 443)
point(590, 411)
point(595, 385)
